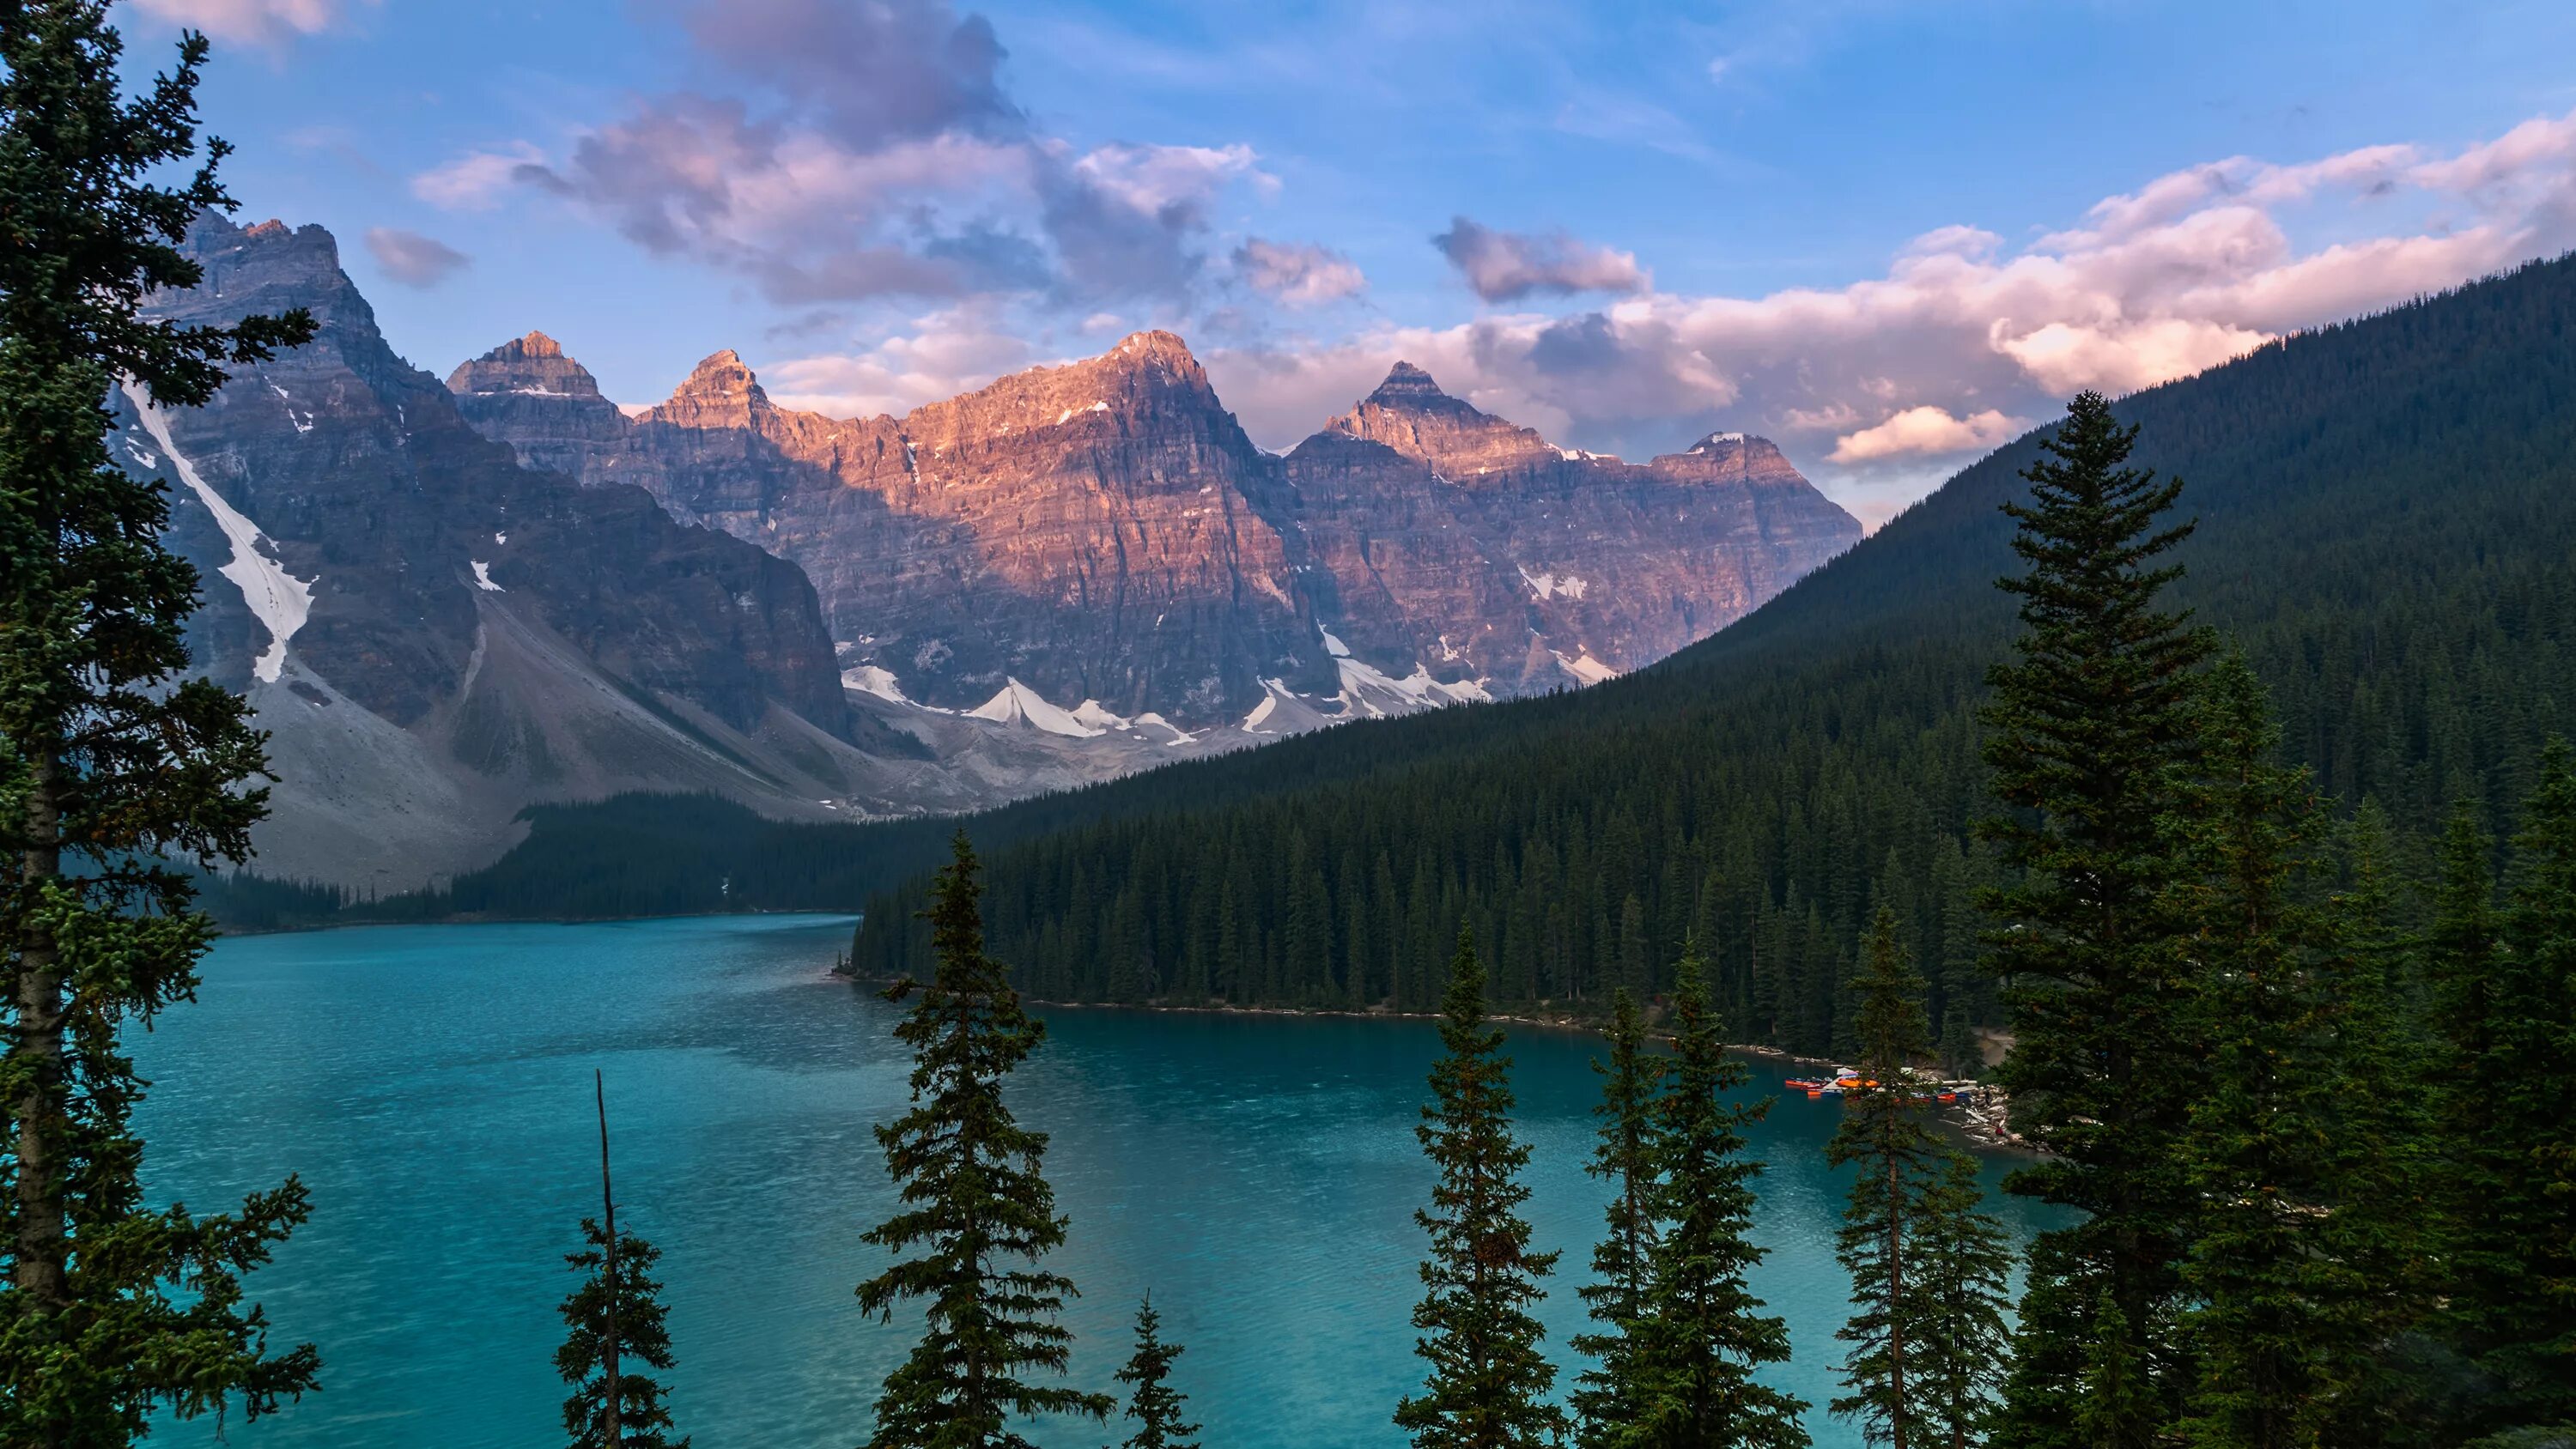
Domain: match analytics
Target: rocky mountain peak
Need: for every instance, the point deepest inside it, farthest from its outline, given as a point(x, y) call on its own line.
point(534, 365)
point(1146, 361)
point(1408, 386)
point(1147, 384)
point(722, 373)
point(720, 392)
point(1729, 457)
point(1410, 414)
point(1152, 349)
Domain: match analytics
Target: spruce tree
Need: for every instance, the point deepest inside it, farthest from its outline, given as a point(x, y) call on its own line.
point(1152, 1402)
point(1606, 1397)
point(620, 1307)
point(2113, 1394)
point(1963, 1277)
point(2531, 1323)
point(2471, 1073)
point(975, 1201)
point(2383, 1221)
point(116, 771)
point(1489, 1374)
point(1900, 1158)
point(2091, 734)
point(2281, 1325)
point(1703, 1333)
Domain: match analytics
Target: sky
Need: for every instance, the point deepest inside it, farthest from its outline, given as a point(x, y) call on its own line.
point(1886, 235)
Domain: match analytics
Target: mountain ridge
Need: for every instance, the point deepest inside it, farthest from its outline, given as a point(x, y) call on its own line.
point(436, 637)
point(1763, 791)
point(1046, 501)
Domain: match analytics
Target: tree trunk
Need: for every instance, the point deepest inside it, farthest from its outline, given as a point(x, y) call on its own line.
point(1896, 1298)
point(40, 1267)
point(615, 1416)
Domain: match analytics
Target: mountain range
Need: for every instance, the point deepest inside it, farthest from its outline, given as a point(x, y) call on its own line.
point(1104, 533)
point(449, 603)
point(2382, 522)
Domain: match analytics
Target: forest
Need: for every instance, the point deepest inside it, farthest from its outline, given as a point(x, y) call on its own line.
point(1764, 791)
point(2381, 528)
point(2269, 868)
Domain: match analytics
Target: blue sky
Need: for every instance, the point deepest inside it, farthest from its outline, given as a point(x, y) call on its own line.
point(1885, 234)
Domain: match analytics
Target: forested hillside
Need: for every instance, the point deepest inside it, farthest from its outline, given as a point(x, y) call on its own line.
point(2385, 524)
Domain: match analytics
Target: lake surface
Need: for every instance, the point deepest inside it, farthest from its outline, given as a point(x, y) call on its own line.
point(433, 1086)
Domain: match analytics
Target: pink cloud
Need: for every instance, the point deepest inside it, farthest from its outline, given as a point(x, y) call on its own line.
point(1961, 336)
point(477, 180)
point(256, 22)
point(1298, 275)
point(1505, 266)
point(1927, 431)
point(946, 353)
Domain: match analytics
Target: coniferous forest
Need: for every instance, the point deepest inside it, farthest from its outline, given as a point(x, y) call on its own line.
point(2207, 749)
point(2382, 532)
point(2322, 1160)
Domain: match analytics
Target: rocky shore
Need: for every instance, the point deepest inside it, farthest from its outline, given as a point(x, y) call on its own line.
point(1982, 1113)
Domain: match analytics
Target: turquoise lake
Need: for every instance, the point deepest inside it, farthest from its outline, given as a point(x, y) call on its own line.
point(432, 1085)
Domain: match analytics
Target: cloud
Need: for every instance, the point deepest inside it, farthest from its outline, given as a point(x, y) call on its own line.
point(1922, 431)
point(870, 151)
point(477, 180)
point(1159, 180)
point(868, 73)
point(1298, 274)
point(1961, 336)
point(412, 259)
point(1505, 266)
point(255, 22)
point(948, 352)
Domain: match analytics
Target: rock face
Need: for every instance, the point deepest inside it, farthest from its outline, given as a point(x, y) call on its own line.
point(1459, 535)
point(1085, 529)
point(1410, 414)
point(436, 636)
point(529, 385)
point(448, 603)
point(1104, 531)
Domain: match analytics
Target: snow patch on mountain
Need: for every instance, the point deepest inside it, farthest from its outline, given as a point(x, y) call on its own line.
point(876, 680)
point(1548, 586)
point(1180, 736)
point(1019, 704)
point(1586, 669)
point(1371, 693)
point(279, 600)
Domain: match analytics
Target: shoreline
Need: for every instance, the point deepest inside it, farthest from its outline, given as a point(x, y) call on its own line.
point(1985, 1123)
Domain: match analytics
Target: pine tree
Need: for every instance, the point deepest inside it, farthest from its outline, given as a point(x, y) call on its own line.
point(2282, 1326)
point(2532, 1342)
point(2113, 1395)
point(1884, 1134)
point(1489, 1375)
point(1606, 1398)
point(625, 1309)
point(1960, 1055)
point(1963, 1273)
point(2090, 734)
point(1152, 1402)
point(1703, 1335)
point(2382, 1226)
point(115, 770)
point(2471, 1076)
point(974, 1195)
